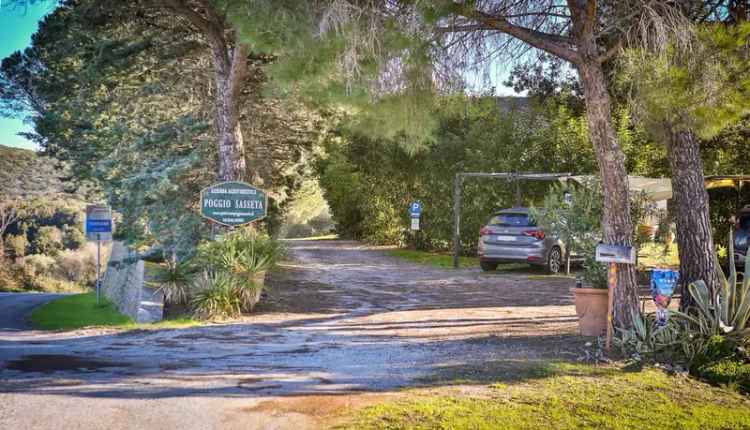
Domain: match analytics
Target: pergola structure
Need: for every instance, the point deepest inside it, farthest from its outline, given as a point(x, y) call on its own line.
point(513, 177)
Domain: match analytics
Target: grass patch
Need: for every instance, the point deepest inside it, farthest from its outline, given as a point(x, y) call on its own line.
point(442, 260)
point(569, 396)
point(77, 311)
point(81, 310)
point(445, 260)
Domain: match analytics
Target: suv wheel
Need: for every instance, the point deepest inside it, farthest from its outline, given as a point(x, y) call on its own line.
point(554, 260)
point(487, 266)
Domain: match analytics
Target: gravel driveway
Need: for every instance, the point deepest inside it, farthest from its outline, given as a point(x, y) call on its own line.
point(342, 323)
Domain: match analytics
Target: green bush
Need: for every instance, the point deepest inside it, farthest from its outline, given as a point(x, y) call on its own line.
point(173, 281)
point(11, 276)
point(240, 252)
point(216, 296)
point(37, 265)
point(17, 245)
point(73, 238)
point(728, 371)
point(77, 266)
point(48, 241)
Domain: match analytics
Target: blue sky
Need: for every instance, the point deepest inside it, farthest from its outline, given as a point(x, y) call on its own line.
point(16, 27)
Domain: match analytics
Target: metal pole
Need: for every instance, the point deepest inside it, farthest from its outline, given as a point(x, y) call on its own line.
point(98, 266)
point(519, 199)
point(611, 303)
point(456, 219)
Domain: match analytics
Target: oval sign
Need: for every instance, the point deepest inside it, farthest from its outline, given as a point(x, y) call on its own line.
point(233, 203)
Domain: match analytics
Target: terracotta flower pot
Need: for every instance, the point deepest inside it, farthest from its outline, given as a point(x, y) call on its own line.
point(591, 308)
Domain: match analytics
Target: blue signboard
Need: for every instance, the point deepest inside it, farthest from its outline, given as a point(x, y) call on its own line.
point(98, 226)
point(415, 210)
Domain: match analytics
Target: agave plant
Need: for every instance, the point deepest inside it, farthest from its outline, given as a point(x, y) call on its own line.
point(216, 296)
point(646, 336)
point(173, 281)
point(728, 311)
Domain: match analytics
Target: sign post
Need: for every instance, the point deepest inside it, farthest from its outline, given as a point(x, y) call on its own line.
point(233, 203)
point(613, 254)
point(415, 211)
point(98, 228)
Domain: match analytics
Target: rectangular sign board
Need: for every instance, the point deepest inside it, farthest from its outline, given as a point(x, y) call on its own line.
point(415, 223)
point(415, 210)
point(233, 203)
point(615, 254)
point(98, 224)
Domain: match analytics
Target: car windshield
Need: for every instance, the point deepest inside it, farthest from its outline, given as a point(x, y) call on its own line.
point(512, 220)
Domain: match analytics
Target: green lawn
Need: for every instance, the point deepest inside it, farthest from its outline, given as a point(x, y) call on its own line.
point(565, 396)
point(434, 259)
point(81, 310)
point(445, 261)
point(77, 311)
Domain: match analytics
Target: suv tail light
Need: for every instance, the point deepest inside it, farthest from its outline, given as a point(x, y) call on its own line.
point(485, 231)
point(537, 234)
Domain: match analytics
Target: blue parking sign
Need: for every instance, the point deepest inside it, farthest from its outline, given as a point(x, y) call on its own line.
point(415, 209)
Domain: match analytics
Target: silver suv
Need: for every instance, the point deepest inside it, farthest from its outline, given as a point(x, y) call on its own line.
point(511, 236)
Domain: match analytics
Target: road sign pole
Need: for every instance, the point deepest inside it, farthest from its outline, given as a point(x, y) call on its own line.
point(98, 267)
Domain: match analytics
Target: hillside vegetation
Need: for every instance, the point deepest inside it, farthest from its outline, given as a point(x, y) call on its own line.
point(24, 174)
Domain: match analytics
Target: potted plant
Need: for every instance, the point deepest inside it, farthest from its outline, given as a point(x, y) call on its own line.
point(591, 299)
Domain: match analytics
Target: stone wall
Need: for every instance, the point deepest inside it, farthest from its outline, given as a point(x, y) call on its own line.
point(123, 285)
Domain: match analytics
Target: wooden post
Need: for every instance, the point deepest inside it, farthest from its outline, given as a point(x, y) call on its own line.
point(611, 302)
point(457, 182)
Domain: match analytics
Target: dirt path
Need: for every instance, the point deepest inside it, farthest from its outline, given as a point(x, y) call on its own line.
point(343, 324)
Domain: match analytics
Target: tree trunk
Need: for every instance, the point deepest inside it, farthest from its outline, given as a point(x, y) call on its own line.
point(616, 222)
point(229, 60)
point(229, 77)
point(690, 199)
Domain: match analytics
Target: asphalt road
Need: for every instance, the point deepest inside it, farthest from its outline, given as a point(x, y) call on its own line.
point(15, 308)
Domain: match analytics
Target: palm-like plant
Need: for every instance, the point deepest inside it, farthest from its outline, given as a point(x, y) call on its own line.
point(216, 296)
point(728, 311)
point(173, 281)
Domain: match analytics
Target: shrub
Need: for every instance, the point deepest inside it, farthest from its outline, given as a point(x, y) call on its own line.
point(173, 281)
point(728, 371)
point(245, 256)
point(577, 222)
point(215, 296)
point(77, 266)
point(73, 238)
point(48, 240)
point(37, 265)
point(17, 245)
point(10, 276)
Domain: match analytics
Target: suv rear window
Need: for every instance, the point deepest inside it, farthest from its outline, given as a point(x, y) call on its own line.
point(512, 220)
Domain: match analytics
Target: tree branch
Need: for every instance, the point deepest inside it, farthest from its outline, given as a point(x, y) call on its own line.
point(551, 43)
point(609, 53)
point(211, 28)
